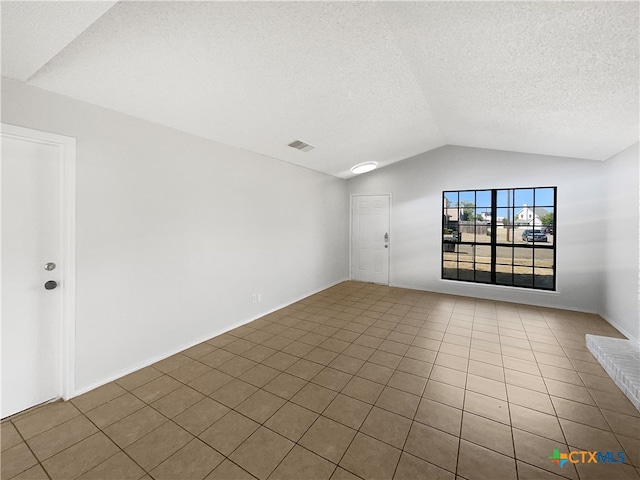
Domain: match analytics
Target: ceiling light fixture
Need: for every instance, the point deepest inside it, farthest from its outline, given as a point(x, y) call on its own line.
point(364, 167)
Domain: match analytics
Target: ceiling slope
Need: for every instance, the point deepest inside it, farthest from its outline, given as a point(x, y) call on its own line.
point(360, 81)
point(34, 32)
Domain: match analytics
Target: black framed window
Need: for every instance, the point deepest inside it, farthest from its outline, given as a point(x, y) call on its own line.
point(501, 236)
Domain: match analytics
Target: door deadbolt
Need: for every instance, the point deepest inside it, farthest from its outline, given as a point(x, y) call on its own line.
point(49, 266)
point(50, 285)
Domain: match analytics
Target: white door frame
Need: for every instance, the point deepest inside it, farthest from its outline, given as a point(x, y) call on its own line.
point(67, 202)
point(351, 231)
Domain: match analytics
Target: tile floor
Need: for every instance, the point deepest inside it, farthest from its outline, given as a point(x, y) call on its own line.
point(358, 381)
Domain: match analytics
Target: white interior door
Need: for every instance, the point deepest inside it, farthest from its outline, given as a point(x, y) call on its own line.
point(370, 238)
point(31, 238)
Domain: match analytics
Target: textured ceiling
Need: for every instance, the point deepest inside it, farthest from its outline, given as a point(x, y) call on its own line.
point(360, 81)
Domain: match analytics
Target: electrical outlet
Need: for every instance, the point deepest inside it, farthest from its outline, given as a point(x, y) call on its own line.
point(254, 297)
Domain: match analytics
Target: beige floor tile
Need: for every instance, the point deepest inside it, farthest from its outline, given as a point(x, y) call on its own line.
point(581, 413)
point(392, 347)
point(16, 460)
point(291, 421)
point(478, 463)
point(599, 471)
point(301, 464)
point(260, 406)
point(363, 389)
point(158, 445)
point(10, 436)
point(519, 365)
point(210, 382)
point(177, 401)
point(533, 421)
point(335, 345)
point(529, 472)
point(201, 416)
point(486, 386)
point(530, 399)
point(34, 473)
point(56, 439)
point(359, 351)
point(622, 424)
point(387, 427)
point(615, 401)
point(241, 345)
point(194, 461)
point(399, 402)
point(126, 431)
point(261, 453)
point(97, 397)
point(449, 376)
point(415, 367)
point(332, 379)
point(486, 357)
point(488, 407)
point(492, 435)
point(228, 470)
point(370, 458)
point(230, 431)
point(439, 415)
point(486, 370)
point(198, 351)
point(412, 468)
point(348, 411)
point(156, 389)
point(536, 450)
point(569, 391)
point(407, 382)
point(314, 397)
point(443, 393)
point(347, 364)
point(259, 353)
point(433, 446)
point(81, 457)
point(328, 439)
point(217, 357)
point(375, 373)
point(171, 363)
point(596, 382)
point(452, 361)
point(114, 410)
point(321, 356)
point(525, 380)
point(632, 449)
point(285, 385)
point(234, 393)
point(119, 466)
point(139, 378)
point(589, 438)
point(237, 366)
point(305, 369)
point(553, 360)
point(45, 417)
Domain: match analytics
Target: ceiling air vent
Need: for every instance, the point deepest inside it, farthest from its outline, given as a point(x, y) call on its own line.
point(300, 145)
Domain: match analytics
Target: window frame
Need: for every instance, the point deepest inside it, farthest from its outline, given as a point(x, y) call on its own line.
point(494, 244)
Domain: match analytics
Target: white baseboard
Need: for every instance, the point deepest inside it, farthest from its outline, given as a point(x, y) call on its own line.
point(621, 329)
point(151, 361)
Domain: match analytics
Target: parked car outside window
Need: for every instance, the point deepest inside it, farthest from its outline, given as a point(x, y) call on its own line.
point(536, 235)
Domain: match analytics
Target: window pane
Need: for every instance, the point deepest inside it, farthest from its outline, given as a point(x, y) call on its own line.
point(483, 199)
point(543, 257)
point(544, 197)
point(523, 276)
point(523, 257)
point(523, 197)
point(503, 255)
point(543, 278)
point(465, 271)
point(483, 254)
point(505, 198)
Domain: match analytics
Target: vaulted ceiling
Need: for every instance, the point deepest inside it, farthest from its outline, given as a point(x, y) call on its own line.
point(360, 81)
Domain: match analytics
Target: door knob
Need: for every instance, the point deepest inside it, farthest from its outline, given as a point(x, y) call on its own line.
point(50, 285)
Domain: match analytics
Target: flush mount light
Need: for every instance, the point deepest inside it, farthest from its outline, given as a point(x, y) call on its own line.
point(364, 167)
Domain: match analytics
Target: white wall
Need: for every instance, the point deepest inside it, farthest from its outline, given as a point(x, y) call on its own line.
point(620, 281)
point(174, 232)
point(416, 220)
